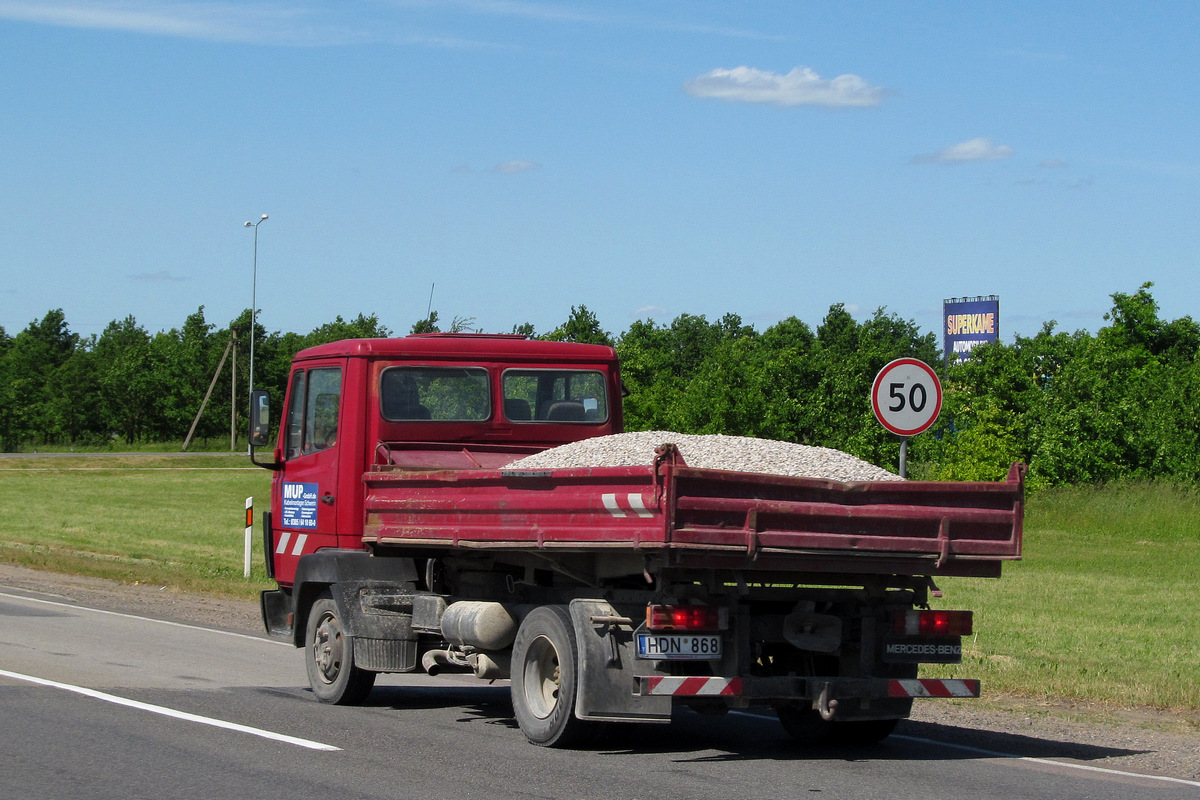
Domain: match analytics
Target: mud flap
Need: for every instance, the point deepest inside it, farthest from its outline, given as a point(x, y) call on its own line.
point(276, 608)
point(608, 666)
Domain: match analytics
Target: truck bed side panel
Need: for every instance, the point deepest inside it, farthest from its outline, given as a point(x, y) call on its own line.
point(734, 519)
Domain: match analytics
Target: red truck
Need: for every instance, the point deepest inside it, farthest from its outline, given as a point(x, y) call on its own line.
point(401, 540)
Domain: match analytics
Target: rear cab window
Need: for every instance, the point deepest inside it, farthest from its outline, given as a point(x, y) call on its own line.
point(555, 395)
point(435, 394)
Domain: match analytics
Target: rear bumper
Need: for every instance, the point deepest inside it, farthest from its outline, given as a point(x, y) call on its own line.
point(793, 689)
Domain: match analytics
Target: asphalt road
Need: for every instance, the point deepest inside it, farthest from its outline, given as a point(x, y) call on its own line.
point(101, 705)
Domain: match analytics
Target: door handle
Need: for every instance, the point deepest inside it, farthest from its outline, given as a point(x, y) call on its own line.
point(327, 499)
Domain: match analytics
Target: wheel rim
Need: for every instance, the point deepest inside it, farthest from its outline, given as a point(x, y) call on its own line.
point(327, 647)
point(543, 678)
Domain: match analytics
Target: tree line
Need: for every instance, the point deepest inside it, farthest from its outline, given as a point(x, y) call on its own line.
point(130, 386)
point(1075, 407)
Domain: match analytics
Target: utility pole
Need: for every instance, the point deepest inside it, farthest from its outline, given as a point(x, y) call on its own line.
point(233, 396)
point(253, 309)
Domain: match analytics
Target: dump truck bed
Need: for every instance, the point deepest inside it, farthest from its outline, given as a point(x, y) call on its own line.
point(705, 517)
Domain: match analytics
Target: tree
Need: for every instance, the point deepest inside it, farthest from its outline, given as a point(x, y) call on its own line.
point(427, 325)
point(186, 358)
point(130, 382)
point(787, 378)
point(8, 439)
point(847, 356)
point(581, 326)
point(463, 325)
point(361, 327)
point(33, 356)
point(659, 364)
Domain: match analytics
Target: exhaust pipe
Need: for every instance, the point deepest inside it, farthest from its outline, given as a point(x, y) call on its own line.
point(434, 661)
point(489, 666)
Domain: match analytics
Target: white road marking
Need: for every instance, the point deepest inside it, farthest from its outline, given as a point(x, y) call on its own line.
point(1047, 761)
point(169, 712)
point(143, 619)
point(1031, 759)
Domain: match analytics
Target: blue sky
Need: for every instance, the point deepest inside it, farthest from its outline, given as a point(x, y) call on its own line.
point(644, 159)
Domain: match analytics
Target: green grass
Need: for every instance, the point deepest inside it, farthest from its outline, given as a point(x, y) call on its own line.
point(216, 444)
point(163, 519)
point(1102, 608)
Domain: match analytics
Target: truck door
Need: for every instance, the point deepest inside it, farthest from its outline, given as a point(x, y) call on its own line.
point(305, 494)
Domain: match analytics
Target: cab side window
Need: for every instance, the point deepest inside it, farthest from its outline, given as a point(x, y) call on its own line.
point(312, 416)
point(295, 416)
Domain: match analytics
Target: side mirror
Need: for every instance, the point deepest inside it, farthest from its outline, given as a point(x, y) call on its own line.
point(260, 418)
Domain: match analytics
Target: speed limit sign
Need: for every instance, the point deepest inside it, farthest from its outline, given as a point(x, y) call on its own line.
point(906, 396)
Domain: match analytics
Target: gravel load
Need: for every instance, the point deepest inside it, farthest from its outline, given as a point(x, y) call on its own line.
point(713, 451)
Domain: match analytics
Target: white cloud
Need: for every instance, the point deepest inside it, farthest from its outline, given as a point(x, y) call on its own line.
point(196, 20)
point(649, 312)
point(980, 149)
point(513, 167)
point(313, 23)
point(299, 24)
point(800, 87)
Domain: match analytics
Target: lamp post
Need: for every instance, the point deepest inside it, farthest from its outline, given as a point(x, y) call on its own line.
point(253, 305)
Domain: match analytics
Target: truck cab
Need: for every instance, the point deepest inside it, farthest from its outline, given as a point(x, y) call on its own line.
point(422, 402)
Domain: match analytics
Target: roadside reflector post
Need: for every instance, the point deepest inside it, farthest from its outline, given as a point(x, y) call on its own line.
point(249, 535)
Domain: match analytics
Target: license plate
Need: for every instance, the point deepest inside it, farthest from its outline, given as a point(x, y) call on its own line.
point(678, 646)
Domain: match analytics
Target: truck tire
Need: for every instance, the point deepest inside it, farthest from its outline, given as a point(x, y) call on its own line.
point(865, 732)
point(807, 727)
point(544, 680)
point(329, 657)
point(804, 725)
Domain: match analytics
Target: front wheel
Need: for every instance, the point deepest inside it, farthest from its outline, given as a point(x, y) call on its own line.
point(329, 656)
point(544, 680)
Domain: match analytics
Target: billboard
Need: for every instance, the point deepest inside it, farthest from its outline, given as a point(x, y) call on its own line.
point(969, 321)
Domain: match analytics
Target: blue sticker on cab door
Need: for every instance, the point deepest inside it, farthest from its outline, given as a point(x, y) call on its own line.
point(300, 505)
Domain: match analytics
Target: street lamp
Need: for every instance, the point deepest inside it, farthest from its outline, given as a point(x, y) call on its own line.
point(253, 306)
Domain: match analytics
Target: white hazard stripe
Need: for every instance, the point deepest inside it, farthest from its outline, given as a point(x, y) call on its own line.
point(693, 687)
point(297, 548)
point(633, 500)
point(931, 687)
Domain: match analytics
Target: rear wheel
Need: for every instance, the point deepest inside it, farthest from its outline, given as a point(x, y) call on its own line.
point(807, 727)
point(329, 656)
point(544, 680)
point(863, 732)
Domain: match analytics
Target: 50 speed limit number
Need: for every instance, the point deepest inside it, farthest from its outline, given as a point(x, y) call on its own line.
point(906, 396)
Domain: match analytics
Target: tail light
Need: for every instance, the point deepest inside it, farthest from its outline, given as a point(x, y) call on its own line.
point(934, 623)
point(686, 618)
